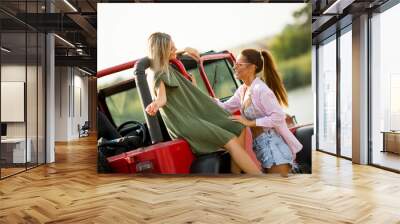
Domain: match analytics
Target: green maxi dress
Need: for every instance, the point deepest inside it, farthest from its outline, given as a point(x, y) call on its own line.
point(192, 115)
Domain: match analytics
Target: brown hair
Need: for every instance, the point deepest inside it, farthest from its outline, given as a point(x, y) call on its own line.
point(270, 75)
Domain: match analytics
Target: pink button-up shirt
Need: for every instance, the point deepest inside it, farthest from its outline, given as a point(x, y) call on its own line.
point(266, 104)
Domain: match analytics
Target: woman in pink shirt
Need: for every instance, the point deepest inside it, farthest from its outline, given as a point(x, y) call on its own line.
point(260, 100)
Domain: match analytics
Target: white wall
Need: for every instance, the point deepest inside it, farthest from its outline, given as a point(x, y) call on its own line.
point(61, 103)
point(71, 94)
point(33, 127)
point(13, 73)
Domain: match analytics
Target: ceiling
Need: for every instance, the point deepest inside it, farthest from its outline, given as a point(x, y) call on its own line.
point(74, 21)
point(330, 15)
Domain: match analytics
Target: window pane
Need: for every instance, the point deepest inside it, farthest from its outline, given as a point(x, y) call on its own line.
point(346, 94)
point(200, 83)
point(41, 98)
point(327, 96)
point(385, 86)
point(32, 97)
point(13, 84)
point(220, 76)
point(125, 106)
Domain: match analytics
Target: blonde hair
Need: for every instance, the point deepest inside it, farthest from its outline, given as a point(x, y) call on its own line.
point(159, 51)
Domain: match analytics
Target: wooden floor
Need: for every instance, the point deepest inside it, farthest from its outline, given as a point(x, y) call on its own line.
point(10, 171)
point(70, 191)
point(387, 159)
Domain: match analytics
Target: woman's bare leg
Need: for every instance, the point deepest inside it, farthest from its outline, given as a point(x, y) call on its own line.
point(240, 156)
point(242, 141)
point(242, 138)
point(235, 169)
point(282, 169)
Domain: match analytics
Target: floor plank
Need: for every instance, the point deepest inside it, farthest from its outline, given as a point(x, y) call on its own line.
point(387, 159)
point(70, 191)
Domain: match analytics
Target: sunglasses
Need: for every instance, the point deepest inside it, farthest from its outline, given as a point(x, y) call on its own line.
point(240, 63)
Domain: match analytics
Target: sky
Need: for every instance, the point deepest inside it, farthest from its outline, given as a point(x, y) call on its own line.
point(123, 28)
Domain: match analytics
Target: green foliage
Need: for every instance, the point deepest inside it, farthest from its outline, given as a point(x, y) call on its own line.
point(295, 39)
point(297, 71)
point(292, 42)
point(292, 50)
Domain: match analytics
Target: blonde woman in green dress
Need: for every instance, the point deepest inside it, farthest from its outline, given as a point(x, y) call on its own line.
point(190, 114)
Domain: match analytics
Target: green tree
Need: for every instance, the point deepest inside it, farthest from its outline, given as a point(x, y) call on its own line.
point(292, 50)
point(295, 39)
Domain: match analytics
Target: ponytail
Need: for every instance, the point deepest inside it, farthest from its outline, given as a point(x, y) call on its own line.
point(273, 80)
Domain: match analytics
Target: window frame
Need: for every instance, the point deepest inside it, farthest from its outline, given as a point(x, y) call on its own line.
point(229, 60)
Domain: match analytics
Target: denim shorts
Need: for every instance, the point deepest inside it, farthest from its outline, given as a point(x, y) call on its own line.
point(271, 149)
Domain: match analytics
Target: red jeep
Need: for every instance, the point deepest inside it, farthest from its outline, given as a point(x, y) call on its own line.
point(130, 132)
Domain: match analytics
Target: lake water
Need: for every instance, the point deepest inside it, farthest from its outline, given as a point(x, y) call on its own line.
point(301, 105)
